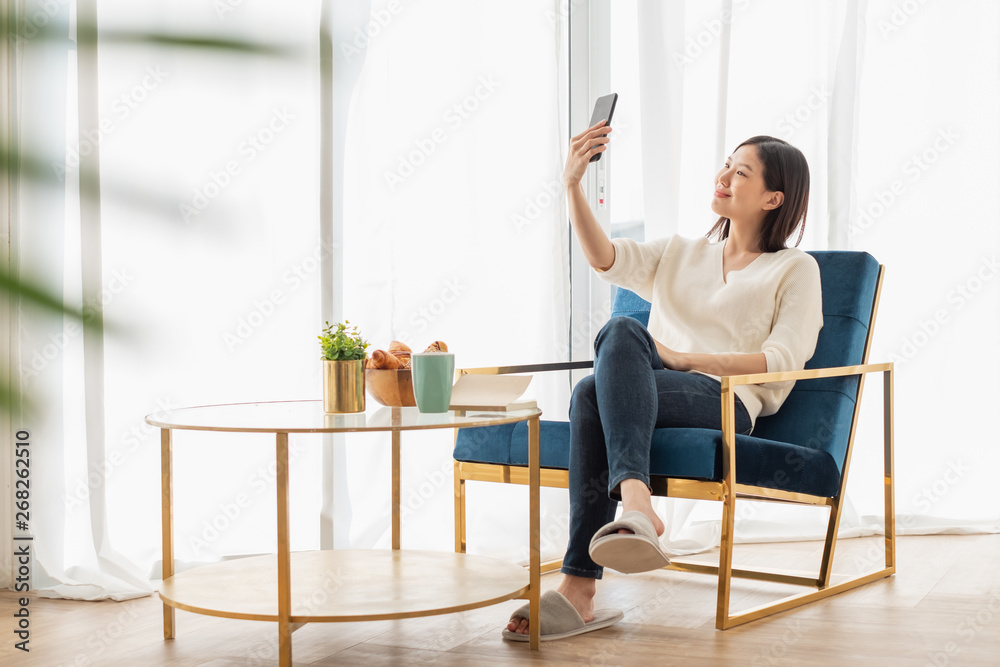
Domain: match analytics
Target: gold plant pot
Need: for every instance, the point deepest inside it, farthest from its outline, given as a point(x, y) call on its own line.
point(343, 386)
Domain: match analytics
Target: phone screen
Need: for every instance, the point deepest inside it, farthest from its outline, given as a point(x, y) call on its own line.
point(604, 107)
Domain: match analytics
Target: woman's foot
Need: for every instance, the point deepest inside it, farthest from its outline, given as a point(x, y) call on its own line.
point(579, 591)
point(636, 497)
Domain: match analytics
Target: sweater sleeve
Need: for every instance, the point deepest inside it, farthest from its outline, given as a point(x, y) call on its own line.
point(635, 265)
point(798, 318)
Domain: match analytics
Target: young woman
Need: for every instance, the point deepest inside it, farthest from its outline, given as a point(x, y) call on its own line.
point(742, 304)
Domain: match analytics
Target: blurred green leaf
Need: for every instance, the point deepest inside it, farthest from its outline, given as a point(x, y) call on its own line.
point(33, 169)
point(14, 34)
point(54, 30)
point(26, 165)
point(205, 43)
point(7, 399)
point(39, 297)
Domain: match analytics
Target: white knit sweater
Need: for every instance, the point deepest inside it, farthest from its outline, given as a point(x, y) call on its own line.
point(773, 305)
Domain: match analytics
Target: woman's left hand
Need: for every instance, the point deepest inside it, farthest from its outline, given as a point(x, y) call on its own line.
point(672, 360)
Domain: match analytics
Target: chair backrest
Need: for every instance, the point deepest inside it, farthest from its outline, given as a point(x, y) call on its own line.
point(817, 413)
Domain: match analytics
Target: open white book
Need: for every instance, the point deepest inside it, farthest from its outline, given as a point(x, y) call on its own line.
point(492, 393)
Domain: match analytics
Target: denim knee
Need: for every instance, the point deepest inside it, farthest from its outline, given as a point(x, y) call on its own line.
point(621, 325)
point(584, 397)
point(624, 333)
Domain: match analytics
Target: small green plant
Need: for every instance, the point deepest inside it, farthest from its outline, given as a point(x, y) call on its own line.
point(343, 344)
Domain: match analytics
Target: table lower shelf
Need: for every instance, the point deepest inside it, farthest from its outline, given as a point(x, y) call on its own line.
point(348, 585)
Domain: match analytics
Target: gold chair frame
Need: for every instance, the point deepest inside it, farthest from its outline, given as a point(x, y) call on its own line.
point(727, 491)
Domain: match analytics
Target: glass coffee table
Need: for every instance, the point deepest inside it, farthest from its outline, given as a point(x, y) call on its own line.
point(294, 588)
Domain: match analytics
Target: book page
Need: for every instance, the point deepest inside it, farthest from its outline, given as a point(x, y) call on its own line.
point(488, 390)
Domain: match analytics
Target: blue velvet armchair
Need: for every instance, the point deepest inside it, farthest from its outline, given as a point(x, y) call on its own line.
point(801, 455)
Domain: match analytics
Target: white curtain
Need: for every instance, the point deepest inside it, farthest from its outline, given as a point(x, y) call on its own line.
point(207, 278)
point(60, 363)
point(899, 128)
point(454, 231)
point(212, 253)
point(928, 136)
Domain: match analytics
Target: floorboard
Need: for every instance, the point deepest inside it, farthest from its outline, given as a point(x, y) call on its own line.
point(941, 608)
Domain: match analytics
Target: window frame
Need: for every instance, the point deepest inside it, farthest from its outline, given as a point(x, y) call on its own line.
point(589, 78)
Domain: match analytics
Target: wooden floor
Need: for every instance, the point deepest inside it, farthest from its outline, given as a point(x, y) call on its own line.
point(941, 608)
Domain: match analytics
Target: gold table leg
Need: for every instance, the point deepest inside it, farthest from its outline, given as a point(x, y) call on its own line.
point(167, 498)
point(459, 509)
point(284, 555)
point(395, 490)
point(534, 561)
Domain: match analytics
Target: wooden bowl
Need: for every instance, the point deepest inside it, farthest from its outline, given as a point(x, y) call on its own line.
point(392, 388)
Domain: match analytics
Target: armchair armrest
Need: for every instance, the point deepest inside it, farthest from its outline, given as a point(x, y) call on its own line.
point(734, 380)
point(526, 368)
point(760, 378)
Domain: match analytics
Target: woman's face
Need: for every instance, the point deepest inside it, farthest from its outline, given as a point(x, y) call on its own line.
point(740, 193)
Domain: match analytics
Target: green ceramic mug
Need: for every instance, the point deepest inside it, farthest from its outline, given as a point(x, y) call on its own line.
point(433, 373)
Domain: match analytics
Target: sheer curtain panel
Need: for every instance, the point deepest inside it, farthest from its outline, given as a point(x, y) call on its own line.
point(882, 99)
point(454, 230)
point(207, 254)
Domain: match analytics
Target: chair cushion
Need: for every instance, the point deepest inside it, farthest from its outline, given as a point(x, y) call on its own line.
point(507, 444)
point(692, 453)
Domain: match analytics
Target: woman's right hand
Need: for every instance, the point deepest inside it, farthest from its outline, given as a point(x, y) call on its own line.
point(581, 148)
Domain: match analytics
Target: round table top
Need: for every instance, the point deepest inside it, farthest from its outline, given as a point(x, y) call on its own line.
point(308, 417)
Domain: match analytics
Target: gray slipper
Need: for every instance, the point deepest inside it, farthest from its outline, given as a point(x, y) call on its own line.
point(560, 619)
point(629, 553)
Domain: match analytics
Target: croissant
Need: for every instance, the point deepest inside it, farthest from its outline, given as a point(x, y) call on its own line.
point(396, 347)
point(383, 360)
point(401, 351)
point(437, 346)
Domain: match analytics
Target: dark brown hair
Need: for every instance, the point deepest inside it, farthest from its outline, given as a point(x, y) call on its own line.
point(785, 170)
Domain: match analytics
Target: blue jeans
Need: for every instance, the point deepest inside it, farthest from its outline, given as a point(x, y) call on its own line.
point(612, 416)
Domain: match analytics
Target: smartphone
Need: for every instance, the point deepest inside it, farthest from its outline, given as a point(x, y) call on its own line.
point(604, 107)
